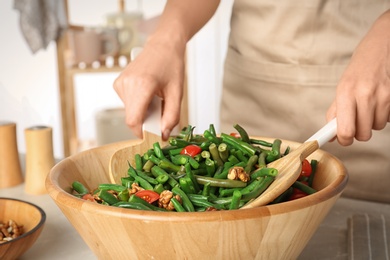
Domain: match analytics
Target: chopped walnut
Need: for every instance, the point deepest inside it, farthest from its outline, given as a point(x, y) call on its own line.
point(134, 188)
point(165, 200)
point(10, 230)
point(238, 173)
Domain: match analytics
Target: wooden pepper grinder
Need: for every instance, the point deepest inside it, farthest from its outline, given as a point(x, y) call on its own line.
point(39, 158)
point(10, 169)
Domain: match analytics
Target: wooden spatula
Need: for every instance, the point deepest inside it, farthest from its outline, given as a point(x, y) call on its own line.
point(290, 166)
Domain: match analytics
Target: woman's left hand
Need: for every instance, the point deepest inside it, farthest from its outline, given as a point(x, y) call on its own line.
point(362, 102)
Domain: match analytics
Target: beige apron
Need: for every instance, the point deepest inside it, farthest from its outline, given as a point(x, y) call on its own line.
point(282, 67)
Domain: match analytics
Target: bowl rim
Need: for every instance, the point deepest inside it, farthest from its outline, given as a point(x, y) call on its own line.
point(34, 229)
point(62, 197)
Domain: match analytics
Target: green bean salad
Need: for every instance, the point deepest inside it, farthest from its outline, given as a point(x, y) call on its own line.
point(195, 172)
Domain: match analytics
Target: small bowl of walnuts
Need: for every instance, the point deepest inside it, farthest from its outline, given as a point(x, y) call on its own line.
point(21, 223)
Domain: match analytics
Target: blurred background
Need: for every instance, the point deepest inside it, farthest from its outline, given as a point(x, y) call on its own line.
point(30, 92)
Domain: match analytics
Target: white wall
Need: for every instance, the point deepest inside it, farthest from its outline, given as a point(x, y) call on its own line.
point(29, 86)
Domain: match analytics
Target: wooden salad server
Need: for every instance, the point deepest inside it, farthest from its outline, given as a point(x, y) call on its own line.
point(289, 166)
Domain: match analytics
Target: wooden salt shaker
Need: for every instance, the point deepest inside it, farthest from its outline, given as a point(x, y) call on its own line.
point(39, 158)
point(10, 169)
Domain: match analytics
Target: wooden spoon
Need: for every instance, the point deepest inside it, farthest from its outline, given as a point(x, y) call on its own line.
point(290, 166)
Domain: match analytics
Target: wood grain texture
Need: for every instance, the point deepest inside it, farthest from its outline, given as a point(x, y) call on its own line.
point(279, 231)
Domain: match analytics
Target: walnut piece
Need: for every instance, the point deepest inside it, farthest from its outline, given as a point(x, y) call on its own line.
point(165, 200)
point(238, 173)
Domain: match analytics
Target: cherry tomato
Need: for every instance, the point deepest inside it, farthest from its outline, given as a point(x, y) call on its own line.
point(89, 197)
point(191, 150)
point(306, 168)
point(236, 135)
point(297, 195)
point(148, 195)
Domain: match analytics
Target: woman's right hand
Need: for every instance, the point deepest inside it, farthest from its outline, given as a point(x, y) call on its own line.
point(157, 70)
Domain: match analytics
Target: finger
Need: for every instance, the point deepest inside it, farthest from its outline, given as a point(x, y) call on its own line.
point(382, 112)
point(365, 115)
point(171, 112)
point(346, 117)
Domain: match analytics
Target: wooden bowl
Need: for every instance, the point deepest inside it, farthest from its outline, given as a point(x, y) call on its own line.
point(278, 231)
point(23, 213)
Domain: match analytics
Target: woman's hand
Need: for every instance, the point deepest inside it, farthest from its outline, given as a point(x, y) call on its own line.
point(158, 70)
point(362, 102)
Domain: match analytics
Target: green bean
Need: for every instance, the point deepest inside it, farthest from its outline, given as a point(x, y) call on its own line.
point(154, 159)
point(212, 129)
point(179, 159)
point(130, 205)
point(193, 162)
point(108, 197)
point(175, 151)
point(215, 154)
point(241, 157)
point(259, 189)
point(127, 181)
point(243, 134)
point(251, 163)
point(229, 192)
point(143, 183)
point(226, 183)
point(246, 148)
point(134, 199)
point(162, 178)
point(260, 142)
point(303, 187)
point(223, 151)
point(169, 166)
point(213, 138)
point(264, 172)
point(186, 185)
point(112, 186)
point(252, 185)
point(202, 201)
point(275, 152)
point(314, 164)
point(138, 161)
point(159, 188)
point(210, 167)
point(187, 204)
point(284, 196)
point(262, 160)
point(156, 171)
point(147, 178)
point(177, 205)
point(80, 188)
point(123, 195)
point(206, 189)
point(148, 166)
point(192, 178)
point(236, 199)
point(233, 159)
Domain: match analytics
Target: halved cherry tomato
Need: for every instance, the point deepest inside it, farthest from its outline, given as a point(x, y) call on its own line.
point(306, 168)
point(191, 150)
point(89, 197)
point(148, 195)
